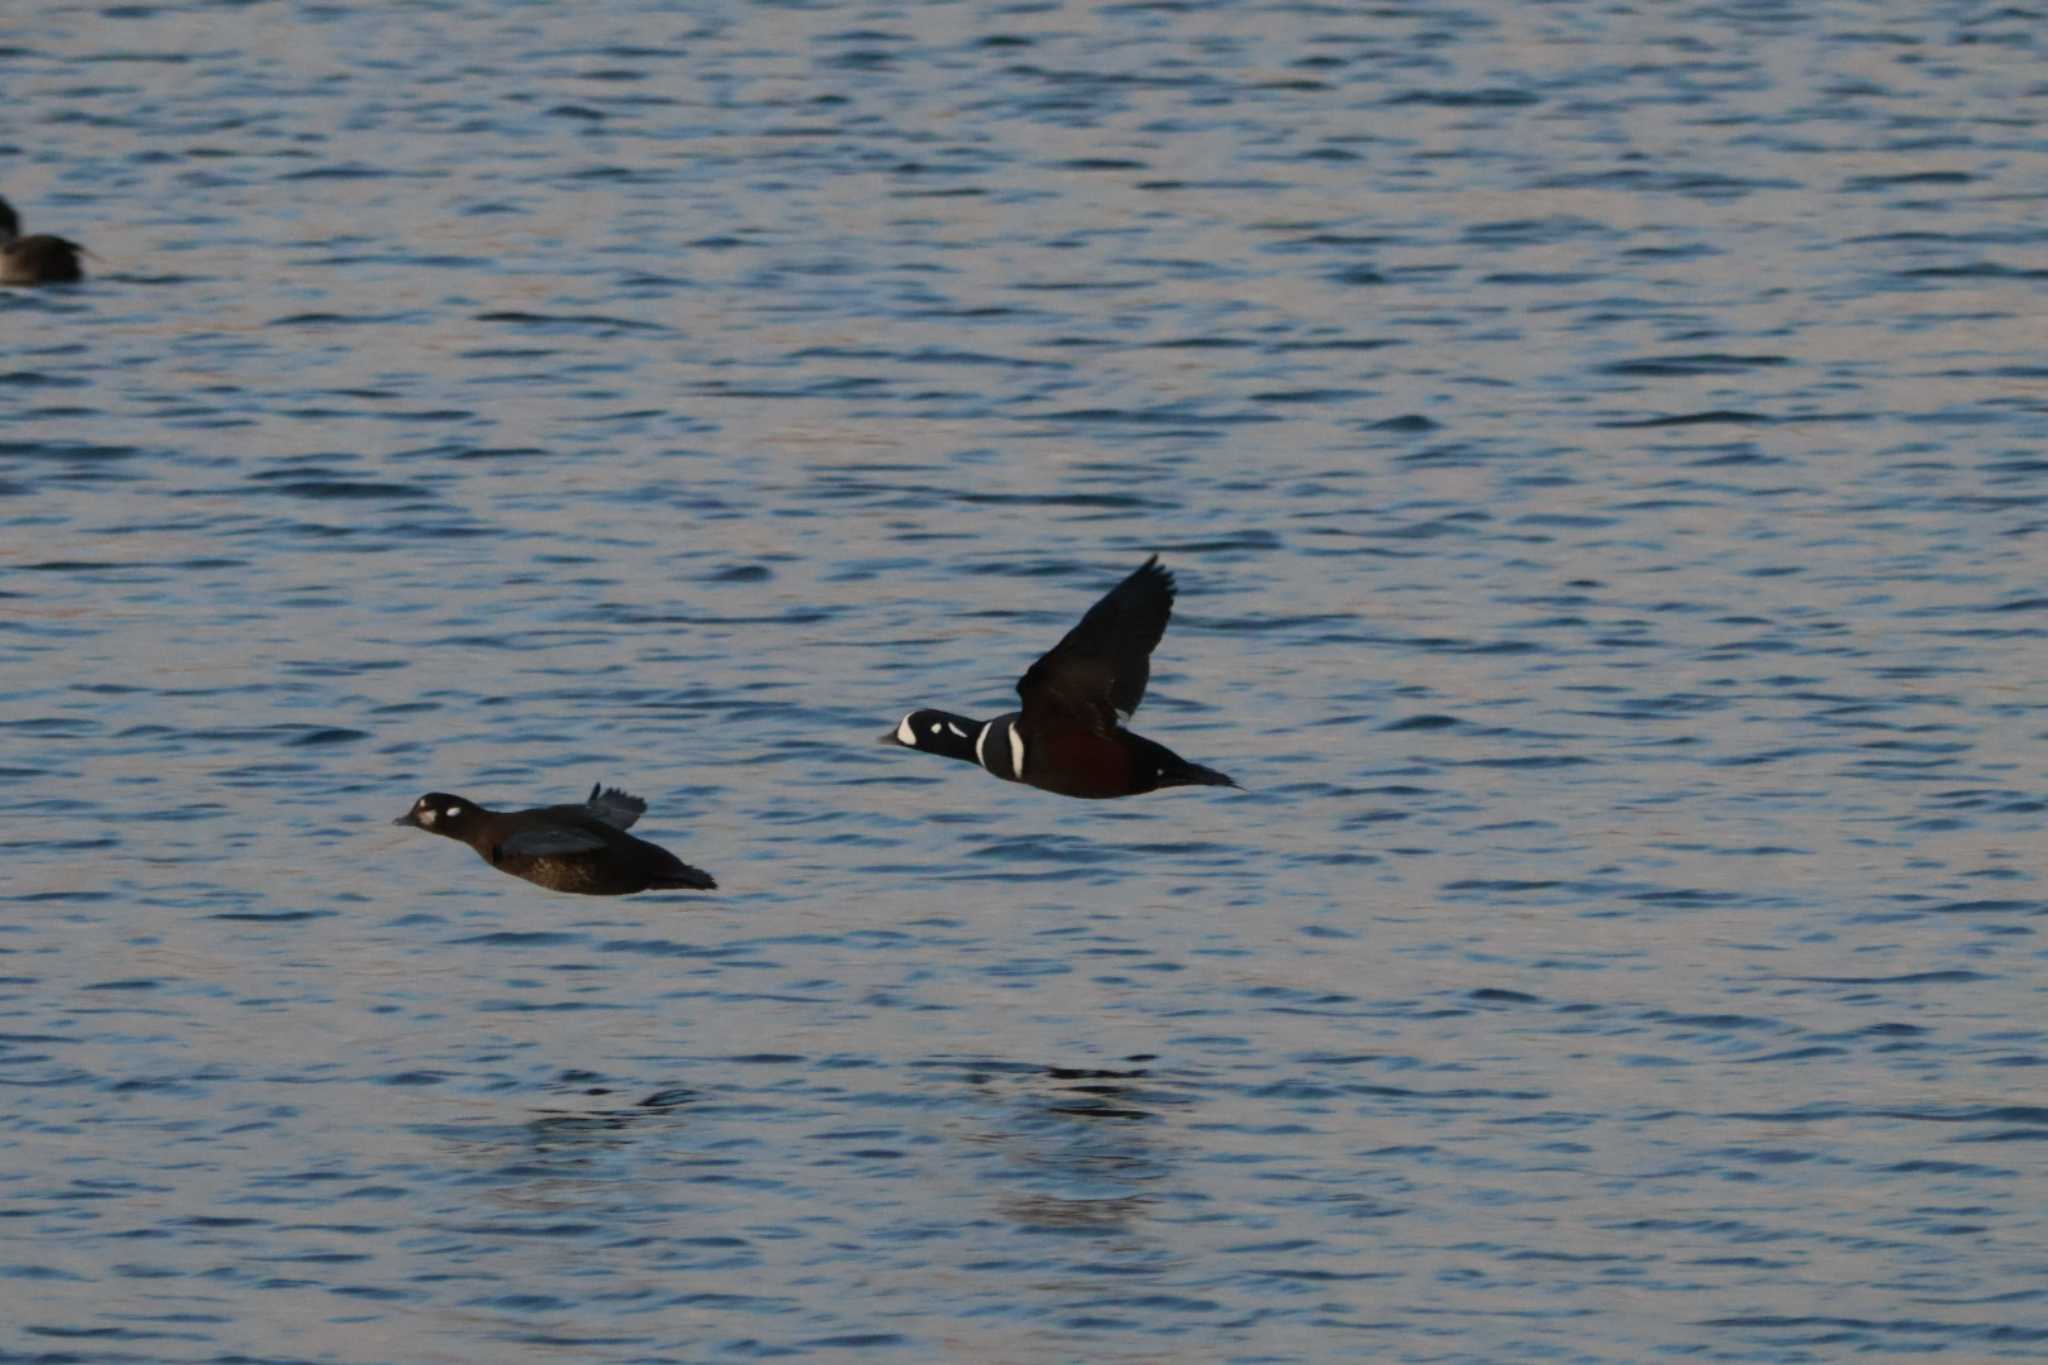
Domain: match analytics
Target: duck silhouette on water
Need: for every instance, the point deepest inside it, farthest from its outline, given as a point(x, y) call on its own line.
point(39, 259)
point(584, 849)
point(1069, 737)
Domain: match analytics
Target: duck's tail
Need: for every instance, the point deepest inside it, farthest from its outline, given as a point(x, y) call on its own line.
point(683, 877)
point(1185, 774)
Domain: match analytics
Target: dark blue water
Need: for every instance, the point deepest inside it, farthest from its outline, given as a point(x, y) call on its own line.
point(1601, 448)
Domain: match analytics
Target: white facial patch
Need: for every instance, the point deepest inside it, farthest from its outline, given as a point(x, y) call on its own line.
point(426, 814)
point(1016, 753)
point(905, 735)
point(452, 812)
point(957, 731)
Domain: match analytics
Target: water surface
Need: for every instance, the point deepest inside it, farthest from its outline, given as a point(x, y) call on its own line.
point(1601, 452)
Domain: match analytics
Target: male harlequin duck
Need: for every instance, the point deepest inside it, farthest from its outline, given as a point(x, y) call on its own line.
point(563, 848)
point(40, 259)
point(1070, 738)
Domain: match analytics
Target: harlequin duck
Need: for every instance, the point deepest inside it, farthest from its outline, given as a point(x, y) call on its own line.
point(563, 848)
point(40, 259)
point(1070, 738)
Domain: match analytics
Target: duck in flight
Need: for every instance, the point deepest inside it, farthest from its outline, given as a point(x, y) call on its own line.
point(583, 848)
point(1070, 736)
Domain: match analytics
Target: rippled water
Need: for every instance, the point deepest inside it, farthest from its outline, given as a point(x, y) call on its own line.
point(1601, 447)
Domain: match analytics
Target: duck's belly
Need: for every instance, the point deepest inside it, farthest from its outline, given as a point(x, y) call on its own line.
point(581, 876)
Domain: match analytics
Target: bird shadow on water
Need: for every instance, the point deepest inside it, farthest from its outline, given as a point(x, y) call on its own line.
point(1055, 1148)
point(1075, 1150)
point(556, 1129)
point(590, 1117)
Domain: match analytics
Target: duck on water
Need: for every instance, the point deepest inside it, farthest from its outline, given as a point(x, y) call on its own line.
point(37, 259)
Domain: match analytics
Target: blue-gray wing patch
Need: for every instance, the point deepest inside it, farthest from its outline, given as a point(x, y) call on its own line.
point(555, 841)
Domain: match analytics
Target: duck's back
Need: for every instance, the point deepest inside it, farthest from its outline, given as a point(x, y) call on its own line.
point(41, 259)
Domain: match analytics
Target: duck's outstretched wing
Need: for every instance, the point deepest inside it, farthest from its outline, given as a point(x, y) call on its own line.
point(1097, 673)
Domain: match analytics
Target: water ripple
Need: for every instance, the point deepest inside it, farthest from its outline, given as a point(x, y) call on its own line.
point(1607, 557)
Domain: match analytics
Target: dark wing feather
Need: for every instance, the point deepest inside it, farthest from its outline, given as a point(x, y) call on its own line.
point(550, 841)
point(616, 808)
point(1098, 672)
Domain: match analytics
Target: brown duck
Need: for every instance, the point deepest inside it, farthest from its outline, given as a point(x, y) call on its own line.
point(40, 259)
point(584, 849)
